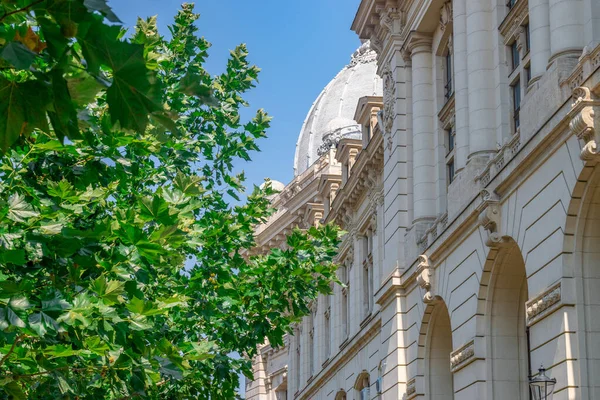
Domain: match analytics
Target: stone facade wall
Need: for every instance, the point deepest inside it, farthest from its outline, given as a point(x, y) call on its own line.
point(478, 281)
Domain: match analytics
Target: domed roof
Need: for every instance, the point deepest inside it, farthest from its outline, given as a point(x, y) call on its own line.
point(331, 116)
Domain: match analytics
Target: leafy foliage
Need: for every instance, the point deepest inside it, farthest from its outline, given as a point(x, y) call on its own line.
point(125, 270)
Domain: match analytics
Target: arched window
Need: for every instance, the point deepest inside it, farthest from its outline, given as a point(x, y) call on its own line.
point(341, 395)
point(439, 377)
point(509, 346)
point(363, 386)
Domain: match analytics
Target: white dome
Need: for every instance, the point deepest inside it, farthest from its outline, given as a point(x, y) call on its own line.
point(331, 116)
point(275, 185)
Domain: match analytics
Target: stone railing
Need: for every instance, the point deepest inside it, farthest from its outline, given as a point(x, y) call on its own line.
point(504, 155)
point(588, 63)
point(432, 233)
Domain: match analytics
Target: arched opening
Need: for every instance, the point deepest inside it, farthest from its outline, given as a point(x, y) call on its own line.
point(587, 255)
point(439, 379)
point(341, 395)
point(363, 386)
point(509, 343)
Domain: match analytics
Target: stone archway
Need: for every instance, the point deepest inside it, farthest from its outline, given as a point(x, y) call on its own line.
point(582, 240)
point(439, 383)
point(507, 336)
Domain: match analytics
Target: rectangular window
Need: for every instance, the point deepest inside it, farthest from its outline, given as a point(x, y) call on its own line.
point(450, 168)
point(527, 74)
point(367, 278)
point(527, 39)
point(311, 345)
point(516, 94)
point(327, 336)
point(448, 89)
point(514, 51)
point(345, 304)
point(450, 136)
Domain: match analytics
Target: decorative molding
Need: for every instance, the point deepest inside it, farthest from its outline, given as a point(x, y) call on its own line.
point(425, 278)
point(583, 115)
point(510, 28)
point(544, 304)
point(418, 42)
point(462, 357)
point(363, 55)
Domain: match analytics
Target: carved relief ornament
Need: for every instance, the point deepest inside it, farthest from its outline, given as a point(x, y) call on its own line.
point(584, 114)
point(463, 356)
point(445, 15)
point(490, 218)
point(389, 99)
point(425, 279)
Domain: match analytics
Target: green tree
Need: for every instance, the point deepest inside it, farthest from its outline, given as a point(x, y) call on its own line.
point(125, 266)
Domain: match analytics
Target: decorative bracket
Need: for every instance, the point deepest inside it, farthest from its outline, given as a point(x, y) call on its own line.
point(584, 115)
point(490, 218)
point(425, 278)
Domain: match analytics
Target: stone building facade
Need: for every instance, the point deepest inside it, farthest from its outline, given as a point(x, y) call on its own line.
point(469, 184)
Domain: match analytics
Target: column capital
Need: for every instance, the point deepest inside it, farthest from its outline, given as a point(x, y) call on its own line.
point(418, 42)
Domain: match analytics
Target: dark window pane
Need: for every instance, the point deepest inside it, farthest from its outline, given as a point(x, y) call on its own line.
point(514, 50)
point(450, 167)
point(448, 88)
point(516, 93)
point(450, 134)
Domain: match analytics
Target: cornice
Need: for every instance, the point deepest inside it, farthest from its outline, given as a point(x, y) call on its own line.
point(511, 25)
point(369, 159)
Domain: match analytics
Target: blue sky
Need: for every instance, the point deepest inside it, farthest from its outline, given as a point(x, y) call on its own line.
point(300, 46)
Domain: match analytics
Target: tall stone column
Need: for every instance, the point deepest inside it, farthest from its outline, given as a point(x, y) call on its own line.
point(566, 28)
point(539, 31)
point(461, 88)
point(424, 160)
point(591, 22)
point(481, 79)
point(410, 206)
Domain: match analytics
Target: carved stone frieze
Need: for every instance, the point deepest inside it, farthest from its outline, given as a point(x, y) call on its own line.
point(541, 305)
point(463, 356)
point(584, 114)
point(510, 28)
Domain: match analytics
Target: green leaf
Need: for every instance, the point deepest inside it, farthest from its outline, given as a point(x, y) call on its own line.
point(96, 345)
point(109, 291)
point(18, 55)
point(14, 390)
point(135, 93)
point(101, 6)
point(16, 256)
point(64, 116)
point(22, 108)
point(19, 210)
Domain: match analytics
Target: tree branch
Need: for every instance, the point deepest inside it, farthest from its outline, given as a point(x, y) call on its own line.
point(24, 9)
point(12, 348)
